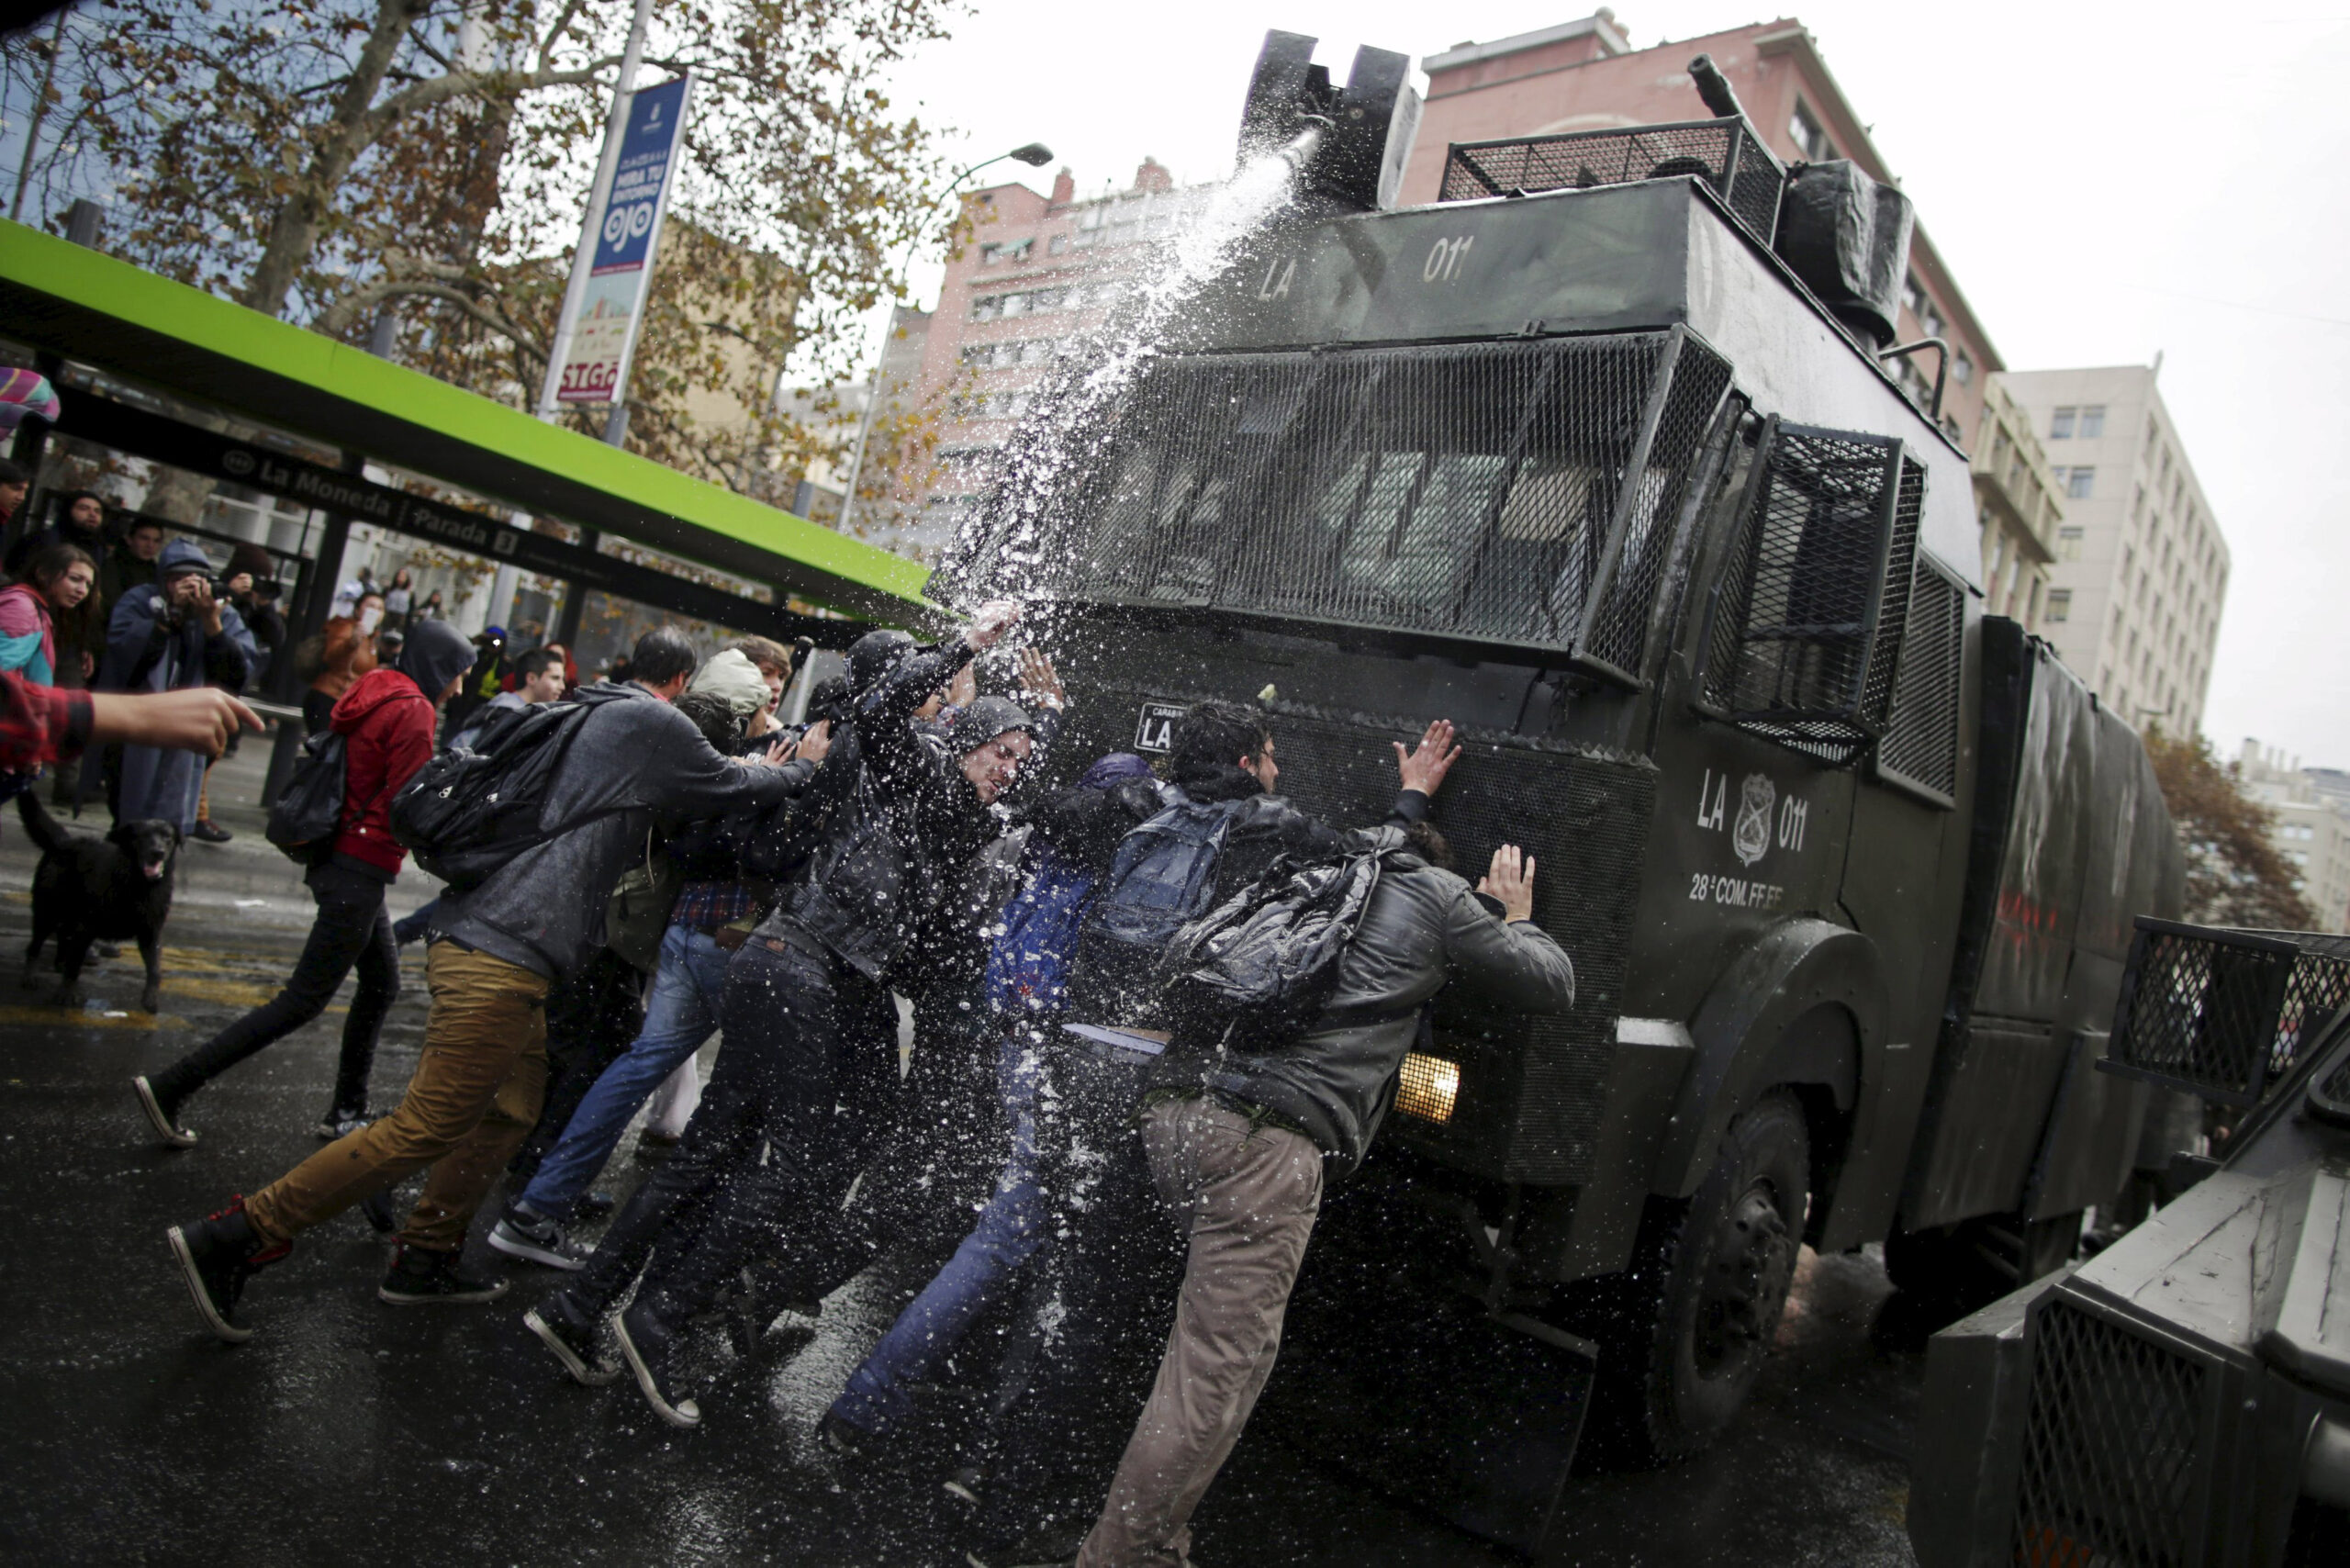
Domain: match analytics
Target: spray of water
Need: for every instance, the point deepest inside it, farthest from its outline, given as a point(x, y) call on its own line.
point(1057, 446)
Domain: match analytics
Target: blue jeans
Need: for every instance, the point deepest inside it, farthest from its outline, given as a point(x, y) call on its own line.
point(679, 1016)
point(1008, 1231)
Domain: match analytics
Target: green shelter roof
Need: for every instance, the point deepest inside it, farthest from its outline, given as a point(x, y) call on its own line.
point(87, 306)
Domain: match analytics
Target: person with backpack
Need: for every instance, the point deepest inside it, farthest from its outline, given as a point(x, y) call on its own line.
point(699, 894)
point(1035, 1463)
point(890, 824)
point(1072, 834)
point(564, 815)
point(386, 721)
point(1238, 1143)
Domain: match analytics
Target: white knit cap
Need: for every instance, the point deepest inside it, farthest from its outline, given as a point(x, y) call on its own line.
point(734, 679)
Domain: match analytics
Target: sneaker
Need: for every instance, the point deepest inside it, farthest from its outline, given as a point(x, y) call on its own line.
point(337, 1125)
point(573, 1339)
point(421, 1277)
point(535, 1238)
point(217, 1255)
point(594, 1205)
point(649, 1345)
point(842, 1436)
point(162, 1118)
point(966, 1485)
point(207, 832)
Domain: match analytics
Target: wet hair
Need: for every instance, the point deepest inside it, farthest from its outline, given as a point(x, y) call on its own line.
point(54, 562)
point(662, 656)
point(714, 717)
point(763, 652)
point(533, 664)
point(13, 472)
point(1212, 737)
point(1423, 840)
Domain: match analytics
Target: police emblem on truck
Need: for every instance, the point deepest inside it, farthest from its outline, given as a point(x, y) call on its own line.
point(1751, 838)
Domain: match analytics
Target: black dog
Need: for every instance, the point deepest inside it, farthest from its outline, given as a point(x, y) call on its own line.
point(110, 888)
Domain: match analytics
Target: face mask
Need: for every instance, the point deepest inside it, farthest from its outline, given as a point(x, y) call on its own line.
point(368, 618)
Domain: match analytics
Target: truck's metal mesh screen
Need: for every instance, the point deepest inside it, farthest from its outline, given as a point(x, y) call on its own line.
point(1469, 490)
point(1921, 743)
point(1809, 610)
point(2224, 1014)
point(1531, 1091)
point(2109, 1449)
point(1725, 153)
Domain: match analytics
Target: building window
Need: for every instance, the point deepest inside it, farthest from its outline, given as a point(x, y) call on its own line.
point(2061, 427)
point(1961, 369)
point(2060, 604)
point(2092, 421)
point(1057, 245)
point(1803, 131)
point(1950, 429)
point(2080, 483)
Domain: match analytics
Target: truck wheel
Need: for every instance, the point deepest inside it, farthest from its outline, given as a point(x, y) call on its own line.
point(1710, 1279)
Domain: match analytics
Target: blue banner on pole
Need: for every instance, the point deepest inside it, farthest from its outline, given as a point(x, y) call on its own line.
point(623, 235)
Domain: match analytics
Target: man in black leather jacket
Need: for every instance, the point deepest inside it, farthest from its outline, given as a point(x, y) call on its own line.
point(894, 819)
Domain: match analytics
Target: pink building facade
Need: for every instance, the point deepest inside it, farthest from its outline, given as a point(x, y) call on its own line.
point(1583, 75)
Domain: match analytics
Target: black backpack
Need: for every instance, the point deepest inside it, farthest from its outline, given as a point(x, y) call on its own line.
point(1162, 879)
point(1259, 969)
point(307, 812)
point(473, 807)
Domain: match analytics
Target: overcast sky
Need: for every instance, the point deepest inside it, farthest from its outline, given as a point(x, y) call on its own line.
point(2106, 181)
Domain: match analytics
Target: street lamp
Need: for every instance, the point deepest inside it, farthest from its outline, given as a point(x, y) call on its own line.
point(1036, 154)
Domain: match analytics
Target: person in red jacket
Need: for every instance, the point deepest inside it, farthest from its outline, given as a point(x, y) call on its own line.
point(386, 721)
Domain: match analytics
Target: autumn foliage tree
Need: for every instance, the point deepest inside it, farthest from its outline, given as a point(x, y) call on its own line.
point(2235, 876)
point(412, 172)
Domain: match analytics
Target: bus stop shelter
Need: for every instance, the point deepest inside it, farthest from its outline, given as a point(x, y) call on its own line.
point(68, 302)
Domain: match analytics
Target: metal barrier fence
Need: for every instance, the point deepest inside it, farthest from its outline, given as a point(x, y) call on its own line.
point(1725, 153)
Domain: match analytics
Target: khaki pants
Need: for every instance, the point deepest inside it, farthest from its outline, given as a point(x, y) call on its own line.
point(1249, 1198)
point(473, 1101)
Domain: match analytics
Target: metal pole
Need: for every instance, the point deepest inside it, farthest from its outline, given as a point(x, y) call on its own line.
point(606, 162)
point(864, 429)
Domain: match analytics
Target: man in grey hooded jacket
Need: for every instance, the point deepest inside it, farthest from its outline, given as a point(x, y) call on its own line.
point(496, 950)
point(1237, 1152)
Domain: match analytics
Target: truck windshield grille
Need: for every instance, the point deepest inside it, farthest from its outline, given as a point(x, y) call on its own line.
point(1515, 492)
point(1813, 597)
point(2225, 1013)
point(1921, 746)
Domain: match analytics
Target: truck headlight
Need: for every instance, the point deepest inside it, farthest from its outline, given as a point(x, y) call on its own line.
point(1428, 1087)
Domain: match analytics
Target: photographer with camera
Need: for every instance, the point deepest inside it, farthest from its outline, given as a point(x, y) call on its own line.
point(168, 636)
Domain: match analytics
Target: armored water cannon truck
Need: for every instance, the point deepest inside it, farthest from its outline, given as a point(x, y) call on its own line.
point(1597, 456)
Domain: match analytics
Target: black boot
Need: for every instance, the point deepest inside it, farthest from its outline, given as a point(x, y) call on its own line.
point(217, 1256)
point(421, 1277)
point(573, 1334)
point(650, 1343)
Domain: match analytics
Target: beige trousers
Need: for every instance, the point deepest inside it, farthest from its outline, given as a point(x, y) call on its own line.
point(473, 1099)
point(1248, 1198)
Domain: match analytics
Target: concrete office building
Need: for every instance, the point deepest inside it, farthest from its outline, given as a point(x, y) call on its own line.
point(2141, 570)
point(2312, 830)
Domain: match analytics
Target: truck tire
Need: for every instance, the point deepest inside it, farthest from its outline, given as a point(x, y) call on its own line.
point(1973, 1263)
point(1708, 1282)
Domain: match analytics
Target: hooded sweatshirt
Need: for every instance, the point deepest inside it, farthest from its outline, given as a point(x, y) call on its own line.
point(386, 720)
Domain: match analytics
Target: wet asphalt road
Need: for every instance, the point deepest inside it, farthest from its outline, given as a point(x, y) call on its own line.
point(348, 1431)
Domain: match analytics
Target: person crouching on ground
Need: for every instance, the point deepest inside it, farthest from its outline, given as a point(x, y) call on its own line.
point(1236, 1144)
point(497, 948)
point(386, 720)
